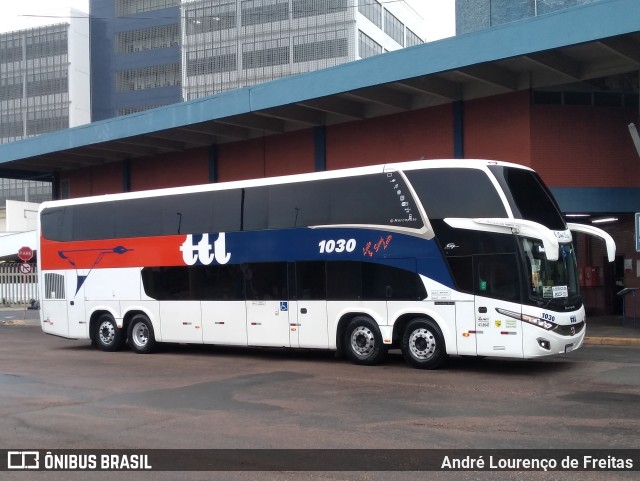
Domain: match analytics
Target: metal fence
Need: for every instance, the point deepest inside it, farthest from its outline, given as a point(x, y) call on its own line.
point(16, 286)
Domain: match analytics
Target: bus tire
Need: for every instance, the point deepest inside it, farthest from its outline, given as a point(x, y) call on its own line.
point(423, 344)
point(108, 337)
point(363, 342)
point(141, 337)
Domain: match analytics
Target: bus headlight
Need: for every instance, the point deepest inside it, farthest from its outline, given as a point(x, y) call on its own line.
point(536, 321)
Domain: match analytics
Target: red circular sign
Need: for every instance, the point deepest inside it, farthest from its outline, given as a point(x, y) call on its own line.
point(25, 253)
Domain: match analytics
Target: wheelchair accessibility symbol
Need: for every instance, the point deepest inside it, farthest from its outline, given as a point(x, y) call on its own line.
point(284, 306)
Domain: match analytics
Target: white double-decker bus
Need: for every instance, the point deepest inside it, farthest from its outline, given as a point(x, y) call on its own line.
point(436, 258)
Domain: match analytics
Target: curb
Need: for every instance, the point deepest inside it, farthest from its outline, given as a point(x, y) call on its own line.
point(611, 341)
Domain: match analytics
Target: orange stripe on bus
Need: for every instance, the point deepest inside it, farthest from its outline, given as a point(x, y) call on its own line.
point(110, 253)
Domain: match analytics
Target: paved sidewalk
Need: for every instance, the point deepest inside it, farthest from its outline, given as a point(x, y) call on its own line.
point(612, 331)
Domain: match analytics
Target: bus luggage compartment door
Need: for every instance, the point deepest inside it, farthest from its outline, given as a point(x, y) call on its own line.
point(308, 324)
point(78, 325)
point(268, 323)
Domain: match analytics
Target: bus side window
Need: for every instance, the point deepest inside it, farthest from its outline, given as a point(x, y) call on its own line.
point(311, 281)
point(266, 281)
point(462, 272)
point(219, 282)
point(344, 281)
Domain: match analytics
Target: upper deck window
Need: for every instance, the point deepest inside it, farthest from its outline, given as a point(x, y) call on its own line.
point(454, 192)
point(375, 200)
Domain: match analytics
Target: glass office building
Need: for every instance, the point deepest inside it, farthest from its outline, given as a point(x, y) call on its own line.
point(44, 87)
point(228, 44)
point(128, 56)
point(472, 15)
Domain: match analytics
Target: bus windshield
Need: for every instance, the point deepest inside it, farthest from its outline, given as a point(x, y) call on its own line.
point(551, 281)
point(528, 197)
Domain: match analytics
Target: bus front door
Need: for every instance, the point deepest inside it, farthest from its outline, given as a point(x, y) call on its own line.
point(497, 288)
point(497, 334)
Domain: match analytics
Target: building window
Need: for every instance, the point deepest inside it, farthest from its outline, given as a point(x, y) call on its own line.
point(34, 85)
point(393, 27)
point(372, 10)
point(131, 7)
point(311, 8)
point(11, 128)
point(147, 39)
point(320, 46)
point(47, 44)
point(211, 18)
point(47, 83)
point(148, 78)
point(265, 54)
point(47, 120)
point(217, 60)
point(11, 47)
point(412, 38)
point(135, 110)
point(10, 90)
point(256, 12)
point(368, 47)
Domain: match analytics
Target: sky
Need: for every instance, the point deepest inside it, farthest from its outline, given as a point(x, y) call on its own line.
point(17, 15)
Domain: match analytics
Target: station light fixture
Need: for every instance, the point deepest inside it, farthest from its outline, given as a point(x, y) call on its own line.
point(604, 220)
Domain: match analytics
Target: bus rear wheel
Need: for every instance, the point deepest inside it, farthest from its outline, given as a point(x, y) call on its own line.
point(363, 342)
point(108, 336)
point(423, 344)
point(141, 336)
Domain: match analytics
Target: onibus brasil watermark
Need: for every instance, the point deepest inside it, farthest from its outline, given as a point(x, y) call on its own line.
point(297, 460)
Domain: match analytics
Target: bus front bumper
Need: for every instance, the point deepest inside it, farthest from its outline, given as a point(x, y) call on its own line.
point(540, 342)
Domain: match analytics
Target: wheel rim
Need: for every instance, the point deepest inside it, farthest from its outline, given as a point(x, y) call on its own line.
point(363, 341)
point(106, 333)
point(422, 344)
point(140, 334)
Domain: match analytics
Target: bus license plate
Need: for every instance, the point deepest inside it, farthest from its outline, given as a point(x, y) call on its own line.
point(568, 348)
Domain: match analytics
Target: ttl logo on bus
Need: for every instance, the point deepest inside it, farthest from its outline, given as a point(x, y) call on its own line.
point(198, 248)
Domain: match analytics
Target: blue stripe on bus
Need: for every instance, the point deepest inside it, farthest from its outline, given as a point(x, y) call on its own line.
point(305, 244)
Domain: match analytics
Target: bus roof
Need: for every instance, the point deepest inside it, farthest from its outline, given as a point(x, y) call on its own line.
point(480, 164)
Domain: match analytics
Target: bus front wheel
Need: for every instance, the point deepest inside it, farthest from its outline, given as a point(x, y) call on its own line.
point(108, 336)
point(363, 342)
point(423, 344)
point(141, 337)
